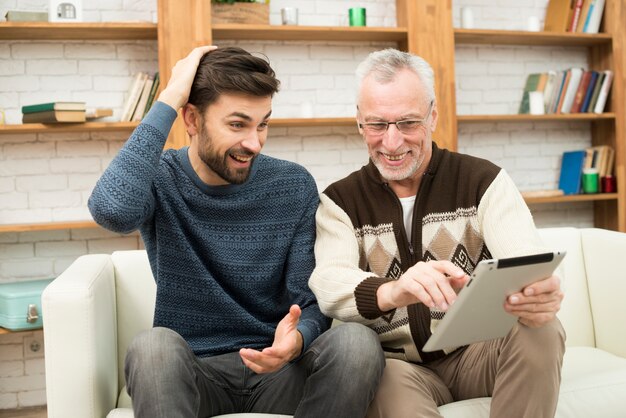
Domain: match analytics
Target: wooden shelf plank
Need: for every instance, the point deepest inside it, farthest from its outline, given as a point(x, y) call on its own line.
point(509, 37)
point(572, 198)
point(8, 331)
point(67, 127)
point(80, 31)
point(48, 226)
point(313, 122)
point(535, 118)
point(308, 33)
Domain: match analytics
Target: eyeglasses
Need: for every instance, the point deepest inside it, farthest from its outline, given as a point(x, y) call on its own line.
point(407, 127)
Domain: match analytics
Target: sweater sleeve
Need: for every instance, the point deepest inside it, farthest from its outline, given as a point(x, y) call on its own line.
point(299, 265)
point(343, 290)
point(123, 197)
point(506, 222)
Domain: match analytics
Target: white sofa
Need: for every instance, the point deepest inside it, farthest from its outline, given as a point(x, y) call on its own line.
point(100, 302)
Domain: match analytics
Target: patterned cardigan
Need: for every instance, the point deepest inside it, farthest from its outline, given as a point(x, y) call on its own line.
point(467, 209)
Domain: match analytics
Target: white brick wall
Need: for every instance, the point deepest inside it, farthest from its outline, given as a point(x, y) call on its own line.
point(48, 177)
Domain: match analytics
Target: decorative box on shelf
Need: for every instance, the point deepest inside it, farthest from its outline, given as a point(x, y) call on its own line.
point(247, 12)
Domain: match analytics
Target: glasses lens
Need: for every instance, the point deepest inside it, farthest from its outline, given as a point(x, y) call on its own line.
point(408, 126)
point(375, 128)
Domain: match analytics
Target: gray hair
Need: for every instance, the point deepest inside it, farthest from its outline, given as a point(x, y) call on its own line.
point(385, 64)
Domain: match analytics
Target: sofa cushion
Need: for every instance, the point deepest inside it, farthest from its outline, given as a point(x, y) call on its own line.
point(575, 313)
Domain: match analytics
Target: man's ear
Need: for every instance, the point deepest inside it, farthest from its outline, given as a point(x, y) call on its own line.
point(192, 119)
point(358, 117)
point(434, 117)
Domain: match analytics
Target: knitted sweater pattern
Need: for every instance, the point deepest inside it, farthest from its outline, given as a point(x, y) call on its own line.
point(228, 260)
point(466, 210)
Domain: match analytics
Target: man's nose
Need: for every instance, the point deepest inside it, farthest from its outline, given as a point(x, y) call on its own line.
point(393, 138)
point(253, 142)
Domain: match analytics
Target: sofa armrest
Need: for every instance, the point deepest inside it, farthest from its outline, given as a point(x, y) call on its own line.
point(80, 331)
point(603, 251)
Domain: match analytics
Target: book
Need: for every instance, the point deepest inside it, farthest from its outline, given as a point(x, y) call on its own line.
point(532, 81)
point(589, 92)
point(143, 99)
point(42, 107)
point(25, 16)
point(153, 93)
point(583, 15)
point(594, 17)
point(571, 171)
point(596, 92)
point(134, 94)
point(566, 78)
point(572, 87)
point(557, 15)
point(576, 11)
point(548, 90)
point(581, 92)
point(95, 113)
point(604, 91)
point(54, 116)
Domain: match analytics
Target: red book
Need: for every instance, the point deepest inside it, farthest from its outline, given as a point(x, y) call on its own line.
point(578, 5)
point(581, 92)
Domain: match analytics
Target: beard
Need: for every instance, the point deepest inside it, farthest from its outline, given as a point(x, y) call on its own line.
point(403, 172)
point(219, 163)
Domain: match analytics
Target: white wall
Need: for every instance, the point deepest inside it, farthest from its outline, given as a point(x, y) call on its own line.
point(48, 177)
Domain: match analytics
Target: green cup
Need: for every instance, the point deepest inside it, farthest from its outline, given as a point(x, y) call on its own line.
point(357, 16)
point(591, 180)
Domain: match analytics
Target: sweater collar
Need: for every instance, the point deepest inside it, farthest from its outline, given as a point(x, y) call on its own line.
point(435, 159)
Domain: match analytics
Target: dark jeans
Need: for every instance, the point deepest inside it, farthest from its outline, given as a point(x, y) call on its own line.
point(336, 377)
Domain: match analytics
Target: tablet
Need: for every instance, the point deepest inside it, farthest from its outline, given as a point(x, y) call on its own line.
point(478, 313)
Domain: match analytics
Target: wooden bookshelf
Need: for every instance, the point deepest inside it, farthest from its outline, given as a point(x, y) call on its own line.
point(77, 31)
point(571, 198)
point(312, 122)
point(8, 331)
point(536, 118)
point(28, 128)
point(508, 37)
point(47, 226)
point(308, 33)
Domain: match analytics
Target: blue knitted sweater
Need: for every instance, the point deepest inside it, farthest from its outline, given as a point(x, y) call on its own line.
point(228, 260)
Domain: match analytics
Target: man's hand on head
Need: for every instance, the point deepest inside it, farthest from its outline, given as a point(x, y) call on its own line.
point(538, 303)
point(176, 93)
point(287, 346)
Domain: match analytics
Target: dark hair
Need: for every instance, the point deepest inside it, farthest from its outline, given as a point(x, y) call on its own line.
point(231, 70)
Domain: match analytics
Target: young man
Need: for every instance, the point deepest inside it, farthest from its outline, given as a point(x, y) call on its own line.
point(396, 238)
point(230, 234)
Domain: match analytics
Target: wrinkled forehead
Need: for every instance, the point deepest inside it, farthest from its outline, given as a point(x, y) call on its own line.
point(405, 94)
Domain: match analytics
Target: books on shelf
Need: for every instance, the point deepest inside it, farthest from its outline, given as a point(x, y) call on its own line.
point(599, 157)
point(41, 107)
point(140, 96)
point(570, 91)
point(54, 116)
point(582, 16)
point(26, 16)
point(153, 93)
point(54, 112)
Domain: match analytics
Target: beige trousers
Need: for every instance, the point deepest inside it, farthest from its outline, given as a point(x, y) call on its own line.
point(522, 373)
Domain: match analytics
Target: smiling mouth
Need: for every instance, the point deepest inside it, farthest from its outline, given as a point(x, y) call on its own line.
point(395, 157)
point(241, 158)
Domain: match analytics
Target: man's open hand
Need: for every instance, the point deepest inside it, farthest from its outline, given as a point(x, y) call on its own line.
point(287, 346)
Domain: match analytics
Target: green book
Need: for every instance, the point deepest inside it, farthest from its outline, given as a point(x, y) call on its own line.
point(153, 90)
point(44, 107)
point(531, 85)
point(25, 16)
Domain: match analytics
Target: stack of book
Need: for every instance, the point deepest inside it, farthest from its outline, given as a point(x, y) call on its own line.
point(54, 112)
point(571, 91)
point(141, 95)
point(583, 16)
point(599, 157)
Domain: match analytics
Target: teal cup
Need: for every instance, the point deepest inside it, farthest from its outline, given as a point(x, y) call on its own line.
point(357, 16)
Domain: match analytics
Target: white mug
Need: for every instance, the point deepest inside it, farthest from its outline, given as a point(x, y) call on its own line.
point(289, 15)
point(467, 18)
point(537, 106)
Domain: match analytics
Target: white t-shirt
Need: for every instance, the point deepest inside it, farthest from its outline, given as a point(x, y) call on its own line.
point(407, 213)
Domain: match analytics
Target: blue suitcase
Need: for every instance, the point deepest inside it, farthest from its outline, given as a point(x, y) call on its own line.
point(20, 304)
